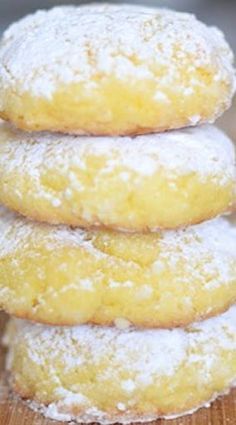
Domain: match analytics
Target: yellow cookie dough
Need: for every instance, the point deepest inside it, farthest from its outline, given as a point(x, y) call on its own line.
point(113, 70)
point(62, 276)
point(97, 374)
point(138, 184)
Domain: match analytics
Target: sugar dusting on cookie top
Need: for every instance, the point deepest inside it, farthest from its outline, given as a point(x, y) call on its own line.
point(82, 44)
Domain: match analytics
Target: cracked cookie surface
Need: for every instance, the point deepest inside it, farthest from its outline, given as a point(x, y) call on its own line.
point(113, 70)
point(142, 183)
point(63, 276)
point(97, 374)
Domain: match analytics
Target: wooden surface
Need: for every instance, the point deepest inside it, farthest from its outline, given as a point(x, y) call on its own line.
point(14, 412)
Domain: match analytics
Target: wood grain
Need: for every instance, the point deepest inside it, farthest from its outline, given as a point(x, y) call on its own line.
point(14, 412)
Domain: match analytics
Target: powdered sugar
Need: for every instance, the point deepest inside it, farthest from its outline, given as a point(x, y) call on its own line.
point(147, 356)
point(17, 233)
point(68, 44)
point(203, 253)
point(204, 150)
point(53, 411)
point(204, 241)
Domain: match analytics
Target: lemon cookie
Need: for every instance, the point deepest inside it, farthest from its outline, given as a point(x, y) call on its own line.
point(106, 70)
point(62, 276)
point(96, 374)
point(141, 183)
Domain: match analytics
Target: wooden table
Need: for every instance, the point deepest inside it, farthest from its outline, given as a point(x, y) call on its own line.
point(14, 412)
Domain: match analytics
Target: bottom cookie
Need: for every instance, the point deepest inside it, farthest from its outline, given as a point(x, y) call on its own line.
point(97, 374)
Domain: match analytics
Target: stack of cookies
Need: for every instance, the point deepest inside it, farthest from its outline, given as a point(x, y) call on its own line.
point(120, 276)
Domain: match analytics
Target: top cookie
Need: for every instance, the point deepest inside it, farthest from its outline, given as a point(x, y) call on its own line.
point(113, 70)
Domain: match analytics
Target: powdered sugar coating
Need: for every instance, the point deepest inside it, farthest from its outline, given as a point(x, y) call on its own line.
point(204, 150)
point(207, 250)
point(68, 44)
point(148, 356)
point(63, 276)
point(129, 183)
point(53, 412)
point(16, 233)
